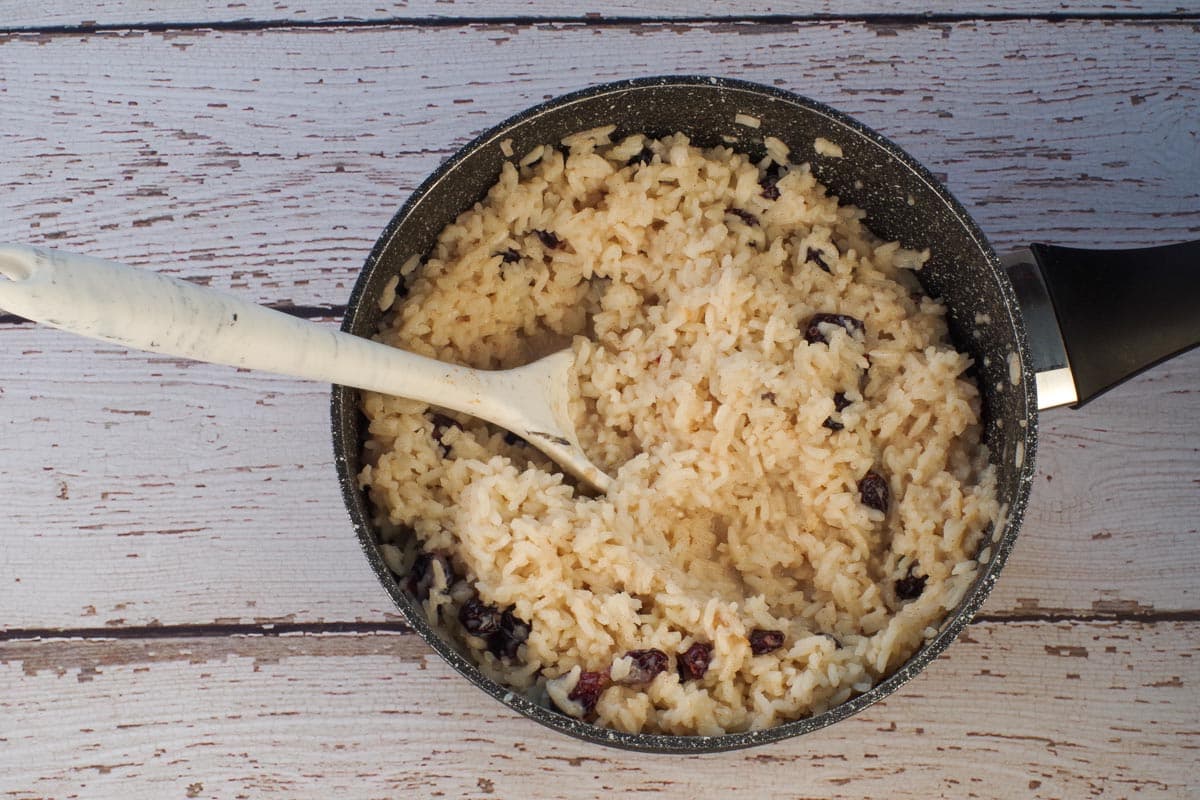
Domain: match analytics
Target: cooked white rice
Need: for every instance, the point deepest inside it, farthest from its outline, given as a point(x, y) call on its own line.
point(736, 503)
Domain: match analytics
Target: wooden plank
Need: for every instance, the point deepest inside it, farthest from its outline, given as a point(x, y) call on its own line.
point(139, 490)
point(213, 12)
point(1117, 494)
point(1013, 710)
point(269, 160)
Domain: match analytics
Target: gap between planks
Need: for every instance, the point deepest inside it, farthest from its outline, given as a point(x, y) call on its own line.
point(111, 12)
point(616, 21)
point(223, 630)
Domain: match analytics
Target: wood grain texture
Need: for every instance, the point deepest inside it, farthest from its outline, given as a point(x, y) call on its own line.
point(1117, 481)
point(1014, 710)
point(198, 12)
point(178, 506)
point(268, 160)
point(141, 490)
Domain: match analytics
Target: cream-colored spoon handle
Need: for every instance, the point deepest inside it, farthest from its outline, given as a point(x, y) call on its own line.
point(148, 311)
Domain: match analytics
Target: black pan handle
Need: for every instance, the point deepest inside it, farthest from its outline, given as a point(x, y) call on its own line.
point(1120, 311)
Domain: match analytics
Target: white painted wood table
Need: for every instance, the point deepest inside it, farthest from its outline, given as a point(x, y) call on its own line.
point(184, 608)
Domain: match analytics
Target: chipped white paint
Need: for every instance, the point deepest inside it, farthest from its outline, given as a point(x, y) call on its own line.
point(1023, 710)
point(143, 490)
point(187, 163)
point(139, 489)
point(268, 161)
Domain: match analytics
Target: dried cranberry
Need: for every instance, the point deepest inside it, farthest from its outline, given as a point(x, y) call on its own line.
point(812, 332)
point(873, 489)
point(693, 662)
point(441, 424)
point(548, 239)
point(646, 665)
point(478, 618)
point(763, 642)
point(422, 574)
point(588, 690)
point(911, 587)
point(768, 180)
point(744, 216)
point(817, 257)
point(839, 403)
point(644, 156)
point(509, 256)
point(512, 632)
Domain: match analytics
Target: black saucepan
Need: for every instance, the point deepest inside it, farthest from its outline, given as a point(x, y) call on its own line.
point(1056, 323)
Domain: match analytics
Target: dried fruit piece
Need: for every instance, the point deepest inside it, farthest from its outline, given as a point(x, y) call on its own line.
point(479, 618)
point(744, 216)
point(643, 156)
point(441, 424)
point(911, 587)
point(814, 256)
point(812, 332)
point(422, 575)
point(548, 239)
point(763, 642)
point(646, 664)
point(839, 404)
point(588, 689)
point(694, 661)
point(768, 180)
point(873, 489)
point(510, 635)
point(509, 256)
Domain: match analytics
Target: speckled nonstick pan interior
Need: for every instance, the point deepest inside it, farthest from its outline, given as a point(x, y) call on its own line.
point(902, 200)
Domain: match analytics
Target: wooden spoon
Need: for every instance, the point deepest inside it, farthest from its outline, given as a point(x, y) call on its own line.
point(148, 311)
